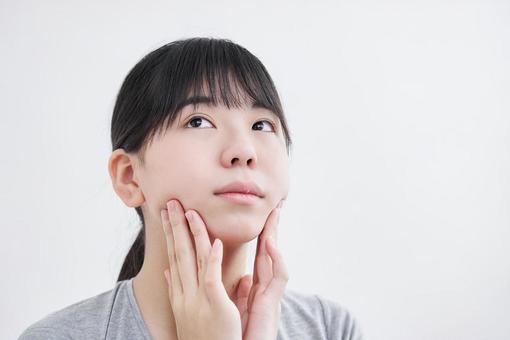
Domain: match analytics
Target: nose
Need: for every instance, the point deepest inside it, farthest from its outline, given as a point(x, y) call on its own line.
point(239, 151)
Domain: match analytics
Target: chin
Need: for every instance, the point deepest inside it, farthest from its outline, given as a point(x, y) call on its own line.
point(235, 231)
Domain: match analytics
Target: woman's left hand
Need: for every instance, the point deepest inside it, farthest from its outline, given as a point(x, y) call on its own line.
point(258, 299)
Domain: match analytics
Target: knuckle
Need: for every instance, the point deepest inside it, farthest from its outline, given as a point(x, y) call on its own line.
point(177, 301)
point(181, 250)
point(179, 257)
point(200, 264)
point(209, 282)
point(173, 259)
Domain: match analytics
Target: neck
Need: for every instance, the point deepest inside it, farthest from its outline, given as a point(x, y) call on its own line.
point(151, 290)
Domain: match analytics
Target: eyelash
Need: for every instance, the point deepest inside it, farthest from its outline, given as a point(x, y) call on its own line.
point(265, 120)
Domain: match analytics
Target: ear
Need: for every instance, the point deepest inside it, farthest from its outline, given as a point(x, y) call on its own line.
point(122, 174)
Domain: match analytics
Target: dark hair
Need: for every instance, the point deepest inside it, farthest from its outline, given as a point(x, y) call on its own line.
point(162, 82)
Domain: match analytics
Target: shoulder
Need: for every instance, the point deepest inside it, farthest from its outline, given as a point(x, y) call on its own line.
point(85, 319)
point(313, 316)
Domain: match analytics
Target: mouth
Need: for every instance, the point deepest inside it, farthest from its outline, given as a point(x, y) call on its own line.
point(241, 192)
point(239, 198)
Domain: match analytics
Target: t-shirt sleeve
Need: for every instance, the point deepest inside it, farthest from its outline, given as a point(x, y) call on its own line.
point(42, 333)
point(340, 323)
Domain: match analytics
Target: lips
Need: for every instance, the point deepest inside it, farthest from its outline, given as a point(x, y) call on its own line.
point(241, 188)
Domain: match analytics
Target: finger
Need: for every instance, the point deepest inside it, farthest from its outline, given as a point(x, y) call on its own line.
point(166, 273)
point(243, 288)
point(175, 285)
point(242, 293)
point(184, 250)
point(263, 260)
point(276, 287)
point(213, 284)
point(241, 301)
point(202, 242)
point(268, 230)
point(272, 228)
point(262, 267)
point(256, 265)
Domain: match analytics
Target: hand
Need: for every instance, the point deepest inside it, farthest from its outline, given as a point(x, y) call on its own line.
point(259, 302)
point(201, 306)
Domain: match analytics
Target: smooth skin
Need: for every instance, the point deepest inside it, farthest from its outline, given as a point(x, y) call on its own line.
point(205, 148)
point(200, 303)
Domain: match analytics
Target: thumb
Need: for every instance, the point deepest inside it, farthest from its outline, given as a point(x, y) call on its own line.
point(241, 298)
point(242, 292)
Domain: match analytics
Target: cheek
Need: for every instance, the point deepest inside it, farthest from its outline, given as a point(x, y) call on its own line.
point(188, 177)
point(182, 178)
point(278, 179)
point(185, 182)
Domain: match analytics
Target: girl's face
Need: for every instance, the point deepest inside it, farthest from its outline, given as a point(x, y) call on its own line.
point(208, 147)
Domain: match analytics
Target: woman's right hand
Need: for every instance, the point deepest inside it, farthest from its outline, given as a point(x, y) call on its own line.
point(201, 306)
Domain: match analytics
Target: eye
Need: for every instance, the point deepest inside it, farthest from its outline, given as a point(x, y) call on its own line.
point(196, 119)
point(196, 122)
point(265, 121)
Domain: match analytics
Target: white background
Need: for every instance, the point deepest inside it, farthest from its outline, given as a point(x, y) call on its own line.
point(399, 206)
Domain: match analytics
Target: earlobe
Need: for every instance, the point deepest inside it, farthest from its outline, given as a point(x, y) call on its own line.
point(124, 182)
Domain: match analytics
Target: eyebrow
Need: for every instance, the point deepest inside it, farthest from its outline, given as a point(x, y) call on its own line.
point(194, 100)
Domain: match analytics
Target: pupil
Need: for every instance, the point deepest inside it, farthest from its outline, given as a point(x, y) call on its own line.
point(194, 120)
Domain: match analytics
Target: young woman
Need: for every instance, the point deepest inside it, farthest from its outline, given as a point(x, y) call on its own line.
point(200, 150)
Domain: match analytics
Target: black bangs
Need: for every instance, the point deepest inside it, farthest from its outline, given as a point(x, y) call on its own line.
point(225, 72)
point(190, 71)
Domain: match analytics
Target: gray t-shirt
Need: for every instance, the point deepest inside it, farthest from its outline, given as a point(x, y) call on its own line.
point(114, 314)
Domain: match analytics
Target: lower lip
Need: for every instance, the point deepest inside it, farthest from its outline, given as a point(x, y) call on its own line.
point(238, 198)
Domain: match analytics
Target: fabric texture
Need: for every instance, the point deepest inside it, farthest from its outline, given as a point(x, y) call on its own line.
point(114, 314)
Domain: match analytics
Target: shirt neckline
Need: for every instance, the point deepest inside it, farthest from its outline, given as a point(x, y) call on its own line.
point(136, 310)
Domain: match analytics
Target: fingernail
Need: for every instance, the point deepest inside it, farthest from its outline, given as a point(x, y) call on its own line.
point(216, 245)
point(189, 215)
point(173, 206)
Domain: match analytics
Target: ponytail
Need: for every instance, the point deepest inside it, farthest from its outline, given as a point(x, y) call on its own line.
point(134, 258)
